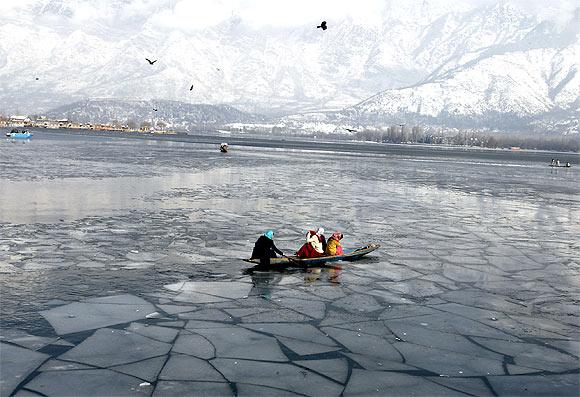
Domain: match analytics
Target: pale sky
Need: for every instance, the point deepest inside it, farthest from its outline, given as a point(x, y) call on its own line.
point(199, 14)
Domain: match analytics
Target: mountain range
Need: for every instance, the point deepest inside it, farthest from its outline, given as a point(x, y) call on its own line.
point(177, 115)
point(480, 65)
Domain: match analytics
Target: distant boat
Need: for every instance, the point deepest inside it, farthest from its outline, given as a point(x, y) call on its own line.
point(224, 147)
point(19, 134)
point(567, 165)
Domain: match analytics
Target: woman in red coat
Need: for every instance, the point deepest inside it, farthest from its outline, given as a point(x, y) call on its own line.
point(313, 246)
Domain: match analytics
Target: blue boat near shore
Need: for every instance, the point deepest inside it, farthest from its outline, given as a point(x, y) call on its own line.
point(16, 134)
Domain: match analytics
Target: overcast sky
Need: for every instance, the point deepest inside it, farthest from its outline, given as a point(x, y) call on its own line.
point(198, 14)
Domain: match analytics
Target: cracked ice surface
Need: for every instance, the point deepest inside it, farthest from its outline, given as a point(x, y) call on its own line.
point(140, 290)
point(16, 364)
point(97, 313)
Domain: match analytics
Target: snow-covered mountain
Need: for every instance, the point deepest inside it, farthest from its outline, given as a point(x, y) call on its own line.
point(532, 81)
point(174, 114)
point(429, 60)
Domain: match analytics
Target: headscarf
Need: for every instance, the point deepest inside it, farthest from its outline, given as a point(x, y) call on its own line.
point(337, 236)
point(269, 234)
point(320, 231)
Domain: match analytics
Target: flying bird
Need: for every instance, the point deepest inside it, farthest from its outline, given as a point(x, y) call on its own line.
point(350, 130)
point(154, 109)
point(322, 25)
point(191, 88)
point(150, 61)
point(36, 78)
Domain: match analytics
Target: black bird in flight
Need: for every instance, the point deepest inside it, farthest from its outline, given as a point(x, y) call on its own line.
point(191, 88)
point(322, 25)
point(150, 61)
point(154, 109)
point(37, 78)
point(350, 130)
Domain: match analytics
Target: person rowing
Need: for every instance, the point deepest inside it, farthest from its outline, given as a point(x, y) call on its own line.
point(264, 249)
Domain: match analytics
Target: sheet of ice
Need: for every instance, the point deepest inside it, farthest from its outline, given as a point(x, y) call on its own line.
point(378, 383)
point(182, 367)
point(108, 347)
point(245, 390)
point(472, 386)
point(303, 348)
point(275, 316)
point(238, 342)
point(166, 388)
point(193, 345)
point(281, 376)
point(228, 290)
point(336, 369)
point(305, 332)
point(369, 345)
point(530, 385)
point(58, 365)
point(378, 364)
point(100, 382)
point(147, 370)
point(311, 308)
point(447, 363)
point(174, 309)
point(358, 303)
point(162, 334)
point(24, 339)
point(97, 313)
point(421, 334)
point(207, 314)
point(532, 355)
point(16, 363)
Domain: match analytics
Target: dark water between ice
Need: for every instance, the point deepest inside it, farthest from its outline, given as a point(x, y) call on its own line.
point(85, 216)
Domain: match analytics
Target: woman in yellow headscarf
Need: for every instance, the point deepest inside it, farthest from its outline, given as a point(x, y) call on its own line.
point(333, 247)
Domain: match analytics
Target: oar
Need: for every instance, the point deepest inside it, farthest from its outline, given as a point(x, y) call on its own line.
point(293, 260)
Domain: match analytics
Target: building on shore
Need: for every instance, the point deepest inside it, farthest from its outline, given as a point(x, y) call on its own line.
point(44, 122)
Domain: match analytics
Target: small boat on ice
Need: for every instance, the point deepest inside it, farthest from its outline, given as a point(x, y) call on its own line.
point(294, 261)
point(19, 134)
point(567, 165)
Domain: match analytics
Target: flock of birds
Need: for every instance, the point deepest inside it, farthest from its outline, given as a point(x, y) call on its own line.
point(151, 62)
point(322, 26)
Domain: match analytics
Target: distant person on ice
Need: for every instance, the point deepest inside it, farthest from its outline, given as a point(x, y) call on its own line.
point(264, 249)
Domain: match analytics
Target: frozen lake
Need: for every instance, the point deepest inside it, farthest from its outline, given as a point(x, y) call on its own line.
point(121, 274)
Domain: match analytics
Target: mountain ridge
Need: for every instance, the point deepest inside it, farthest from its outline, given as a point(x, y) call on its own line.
point(417, 60)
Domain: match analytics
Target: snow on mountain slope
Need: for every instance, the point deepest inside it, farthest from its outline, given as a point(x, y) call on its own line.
point(522, 80)
point(173, 114)
point(425, 57)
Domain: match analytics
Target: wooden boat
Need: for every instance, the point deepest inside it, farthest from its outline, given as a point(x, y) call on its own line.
point(294, 261)
point(567, 165)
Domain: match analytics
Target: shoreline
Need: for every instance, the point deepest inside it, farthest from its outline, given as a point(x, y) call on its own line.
point(350, 146)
